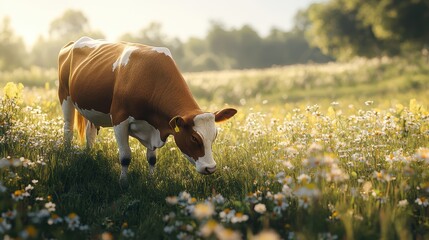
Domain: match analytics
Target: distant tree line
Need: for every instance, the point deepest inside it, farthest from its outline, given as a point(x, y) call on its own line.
point(222, 48)
point(331, 30)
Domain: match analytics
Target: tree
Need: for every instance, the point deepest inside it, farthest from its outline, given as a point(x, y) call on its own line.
point(12, 49)
point(69, 27)
point(71, 23)
point(347, 28)
point(338, 31)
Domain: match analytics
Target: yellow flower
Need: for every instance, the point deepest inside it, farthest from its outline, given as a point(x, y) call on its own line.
point(267, 235)
point(209, 228)
point(31, 231)
point(203, 210)
point(12, 90)
point(227, 234)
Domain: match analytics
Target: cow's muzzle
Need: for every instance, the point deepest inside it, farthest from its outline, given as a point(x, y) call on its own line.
point(208, 170)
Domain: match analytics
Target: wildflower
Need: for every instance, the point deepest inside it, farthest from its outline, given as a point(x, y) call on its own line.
point(36, 217)
point(50, 206)
point(4, 225)
point(226, 215)
point(9, 215)
point(182, 235)
point(422, 154)
point(287, 191)
point(260, 208)
point(106, 236)
point(29, 232)
point(203, 210)
point(209, 228)
point(303, 178)
point(267, 235)
point(171, 200)
point(54, 219)
point(227, 234)
point(192, 200)
point(168, 229)
point(327, 236)
point(39, 199)
point(83, 227)
point(288, 165)
point(422, 201)
point(29, 188)
point(184, 196)
point(382, 176)
point(169, 216)
point(403, 203)
point(18, 195)
point(12, 90)
point(367, 103)
point(73, 221)
point(128, 233)
point(239, 217)
point(34, 181)
point(219, 199)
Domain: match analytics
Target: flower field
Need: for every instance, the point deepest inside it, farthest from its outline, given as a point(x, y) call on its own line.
point(346, 166)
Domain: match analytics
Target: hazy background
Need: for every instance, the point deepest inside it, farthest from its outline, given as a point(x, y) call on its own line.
point(181, 19)
point(218, 35)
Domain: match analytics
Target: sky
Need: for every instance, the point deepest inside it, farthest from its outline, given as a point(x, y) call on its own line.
point(183, 19)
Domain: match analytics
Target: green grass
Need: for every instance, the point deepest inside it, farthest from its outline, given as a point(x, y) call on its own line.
point(321, 169)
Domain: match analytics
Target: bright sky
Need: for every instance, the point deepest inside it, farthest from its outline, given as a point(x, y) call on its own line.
point(183, 19)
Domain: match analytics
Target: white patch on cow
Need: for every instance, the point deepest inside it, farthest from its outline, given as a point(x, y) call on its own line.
point(164, 50)
point(88, 42)
point(204, 125)
point(124, 58)
point(99, 119)
point(147, 134)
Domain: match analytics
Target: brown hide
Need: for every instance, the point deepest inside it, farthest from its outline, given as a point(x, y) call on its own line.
point(149, 87)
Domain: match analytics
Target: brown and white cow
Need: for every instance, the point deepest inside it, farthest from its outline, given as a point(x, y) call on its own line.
point(139, 91)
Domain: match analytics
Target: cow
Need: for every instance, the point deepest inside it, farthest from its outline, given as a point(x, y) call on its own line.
point(139, 91)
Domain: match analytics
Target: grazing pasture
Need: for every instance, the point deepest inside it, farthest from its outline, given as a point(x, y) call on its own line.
point(333, 151)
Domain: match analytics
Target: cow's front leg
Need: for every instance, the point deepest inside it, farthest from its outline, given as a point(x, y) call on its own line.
point(121, 134)
point(151, 159)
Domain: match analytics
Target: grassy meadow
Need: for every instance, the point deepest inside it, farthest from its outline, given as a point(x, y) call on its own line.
point(332, 151)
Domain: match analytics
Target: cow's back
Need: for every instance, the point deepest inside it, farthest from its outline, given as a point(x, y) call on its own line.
point(122, 79)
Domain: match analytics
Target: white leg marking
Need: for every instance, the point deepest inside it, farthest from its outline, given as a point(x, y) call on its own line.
point(91, 134)
point(68, 113)
point(121, 134)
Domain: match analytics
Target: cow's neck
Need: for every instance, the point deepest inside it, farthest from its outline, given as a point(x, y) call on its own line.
point(174, 101)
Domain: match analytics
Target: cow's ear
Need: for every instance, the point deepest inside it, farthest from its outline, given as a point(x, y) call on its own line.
point(176, 123)
point(224, 114)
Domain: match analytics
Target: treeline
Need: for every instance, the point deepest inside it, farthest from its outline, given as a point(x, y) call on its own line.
point(332, 30)
point(222, 48)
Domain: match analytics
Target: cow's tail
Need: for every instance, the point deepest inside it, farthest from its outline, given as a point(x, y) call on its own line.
point(80, 124)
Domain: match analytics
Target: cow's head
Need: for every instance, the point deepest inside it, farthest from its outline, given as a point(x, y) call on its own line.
point(194, 135)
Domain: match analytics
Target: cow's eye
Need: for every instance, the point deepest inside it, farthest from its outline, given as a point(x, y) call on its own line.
point(194, 139)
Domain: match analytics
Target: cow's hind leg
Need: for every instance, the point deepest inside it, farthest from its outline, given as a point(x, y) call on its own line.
point(68, 113)
point(151, 159)
point(121, 134)
point(91, 134)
